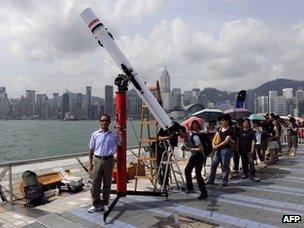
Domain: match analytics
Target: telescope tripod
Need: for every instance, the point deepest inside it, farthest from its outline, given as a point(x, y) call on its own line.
point(121, 119)
point(169, 165)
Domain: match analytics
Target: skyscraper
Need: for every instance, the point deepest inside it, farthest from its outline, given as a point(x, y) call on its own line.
point(78, 105)
point(4, 103)
point(65, 103)
point(54, 106)
point(30, 102)
point(263, 104)
point(40, 108)
point(299, 97)
point(165, 85)
point(133, 104)
point(176, 98)
point(290, 106)
point(288, 93)
point(89, 100)
point(280, 105)
point(109, 100)
point(272, 94)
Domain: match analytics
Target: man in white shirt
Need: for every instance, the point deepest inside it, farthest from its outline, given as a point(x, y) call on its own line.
point(102, 147)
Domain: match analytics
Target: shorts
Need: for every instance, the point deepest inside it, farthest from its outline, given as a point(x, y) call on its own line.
point(293, 141)
point(273, 145)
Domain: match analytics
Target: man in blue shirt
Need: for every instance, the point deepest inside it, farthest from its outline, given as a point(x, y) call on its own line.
point(102, 148)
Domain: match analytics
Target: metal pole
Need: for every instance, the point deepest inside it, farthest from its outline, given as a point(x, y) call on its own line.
point(10, 176)
point(121, 149)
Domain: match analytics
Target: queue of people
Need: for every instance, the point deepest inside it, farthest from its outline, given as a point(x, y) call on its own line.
point(254, 142)
point(262, 142)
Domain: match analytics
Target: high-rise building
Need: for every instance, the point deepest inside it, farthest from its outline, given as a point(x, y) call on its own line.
point(65, 103)
point(280, 105)
point(165, 84)
point(133, 104)
point(41, 107)
point(290, 106)
point(288, 93)
point(45, 108)
point(263, 104)
point(301, 109)
point(94, 112)
point(89, 100)
point(187, 98)
point(176, 98)
point(78, 106)
point(54, 106)
point(109, 100)
point(299, 97)
point(166, 98)
point(30, 102)
point(271, 96)
point(195, 96)
point(4, 103)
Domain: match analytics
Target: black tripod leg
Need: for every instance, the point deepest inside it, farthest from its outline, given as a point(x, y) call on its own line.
point(3, 197)
point(106, 214)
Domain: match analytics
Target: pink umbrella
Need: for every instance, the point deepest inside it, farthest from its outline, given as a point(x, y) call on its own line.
point(237, 113)
point(187, 123)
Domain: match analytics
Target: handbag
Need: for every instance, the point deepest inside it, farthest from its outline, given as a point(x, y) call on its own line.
point(216, 139)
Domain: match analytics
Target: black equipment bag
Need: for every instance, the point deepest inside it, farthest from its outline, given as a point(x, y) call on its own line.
point(34, 194)
point(205, 141)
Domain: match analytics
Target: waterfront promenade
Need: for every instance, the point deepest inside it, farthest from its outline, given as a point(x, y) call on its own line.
point(242, 204)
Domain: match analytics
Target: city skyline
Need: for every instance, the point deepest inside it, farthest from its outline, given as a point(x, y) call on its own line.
point(178, 104)
point(46, 47)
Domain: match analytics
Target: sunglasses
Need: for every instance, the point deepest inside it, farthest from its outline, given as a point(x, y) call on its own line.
point(104, 121)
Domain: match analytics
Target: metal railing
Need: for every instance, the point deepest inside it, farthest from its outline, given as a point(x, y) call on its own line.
point(8, 166)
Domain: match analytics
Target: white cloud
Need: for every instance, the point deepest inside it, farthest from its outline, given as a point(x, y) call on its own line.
point(52, 40)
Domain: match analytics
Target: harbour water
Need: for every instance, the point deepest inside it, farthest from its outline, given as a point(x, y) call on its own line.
point(26, 139)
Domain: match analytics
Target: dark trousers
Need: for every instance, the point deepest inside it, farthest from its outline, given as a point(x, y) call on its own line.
point(196, 161)
point(236, 159)
point(162, 167)
point(258, 151)
point(247, 163)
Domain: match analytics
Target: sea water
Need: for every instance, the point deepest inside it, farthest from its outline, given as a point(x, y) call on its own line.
point(26, 139)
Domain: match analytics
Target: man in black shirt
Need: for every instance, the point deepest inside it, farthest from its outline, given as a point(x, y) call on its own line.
point(164, 141)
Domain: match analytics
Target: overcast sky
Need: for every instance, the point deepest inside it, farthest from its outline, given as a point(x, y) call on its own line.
point(227, 44)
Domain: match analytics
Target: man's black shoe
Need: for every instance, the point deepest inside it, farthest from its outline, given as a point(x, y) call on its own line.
point(244, 176)
point(223, 185)
point(209, 183)
point(202, 196)
point(191, 191)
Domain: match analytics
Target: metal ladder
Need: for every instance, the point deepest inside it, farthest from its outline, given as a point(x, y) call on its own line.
point(169, 159)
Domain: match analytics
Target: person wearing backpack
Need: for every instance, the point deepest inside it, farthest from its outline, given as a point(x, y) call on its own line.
point(196, 160)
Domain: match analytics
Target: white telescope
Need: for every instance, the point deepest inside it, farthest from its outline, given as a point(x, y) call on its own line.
point(106, 39)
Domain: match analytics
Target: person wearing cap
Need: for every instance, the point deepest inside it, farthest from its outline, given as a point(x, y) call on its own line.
point(196, 160)
point(102, 146)
point(223, 151)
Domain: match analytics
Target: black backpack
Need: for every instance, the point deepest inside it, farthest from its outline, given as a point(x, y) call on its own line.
point(34, 194)
point(205, 140)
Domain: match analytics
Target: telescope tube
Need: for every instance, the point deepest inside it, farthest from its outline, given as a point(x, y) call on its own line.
point(105, 38)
